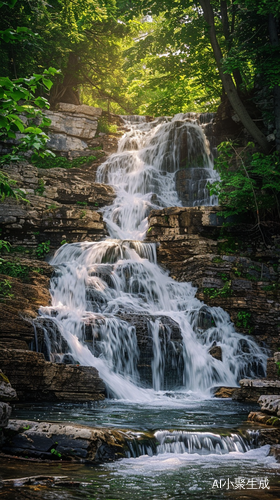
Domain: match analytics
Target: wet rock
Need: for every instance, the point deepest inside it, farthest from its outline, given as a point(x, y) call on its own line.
point(5, 413)
point(251, 390)
point(7, 393)
point(216, 352)
point(35, 379)
point(264, 419)
point(55, 441)
point(225, 392)
point(171, 344)
point(275, 452)
point(193, 248)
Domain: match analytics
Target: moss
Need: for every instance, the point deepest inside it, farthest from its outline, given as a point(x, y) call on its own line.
point(6, 380)
point(275, 421)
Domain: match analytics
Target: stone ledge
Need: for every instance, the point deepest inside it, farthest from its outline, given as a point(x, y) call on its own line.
point(35, 379)
point(54, 441)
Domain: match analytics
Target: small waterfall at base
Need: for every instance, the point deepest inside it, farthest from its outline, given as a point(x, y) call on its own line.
point(201, 443)
point(101, 291)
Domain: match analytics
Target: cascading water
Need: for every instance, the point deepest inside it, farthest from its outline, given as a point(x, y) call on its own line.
point(99, 286)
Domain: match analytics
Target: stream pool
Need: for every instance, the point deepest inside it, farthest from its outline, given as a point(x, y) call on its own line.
point(167, 475)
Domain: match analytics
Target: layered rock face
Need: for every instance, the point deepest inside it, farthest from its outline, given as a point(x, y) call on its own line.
point(233, 270)
point(72, 127)
point(35, 379)
point(26, 296)
point(55, 214)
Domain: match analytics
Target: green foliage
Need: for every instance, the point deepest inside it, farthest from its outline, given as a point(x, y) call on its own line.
point(52, 207)
point(14, 269)
point(214, 293)
point(105, 127)
point(63, 242)
point(223, 276)
point(250, 181)
point(217, 260)
point(82, 214)
point(41, 187)
point(43, 248)
point(8, 188)
point(228, 244)
point(21, 113)
point(55, 453)
point(244, 320)
point(62, 162)
point(274, 287)
point(82, 203)
point(5, 246)
point(278, 367)
point(5, 289)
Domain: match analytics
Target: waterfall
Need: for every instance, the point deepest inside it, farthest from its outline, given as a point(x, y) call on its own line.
point(102, 291)
point(201, 443)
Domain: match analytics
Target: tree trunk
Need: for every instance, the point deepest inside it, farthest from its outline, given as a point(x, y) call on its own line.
point(66, 91)
point(225, 22)
point(227, 81)
point(274, 40)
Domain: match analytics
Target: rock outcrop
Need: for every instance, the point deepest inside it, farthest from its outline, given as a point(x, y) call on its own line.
point(72, 126)
point(252, 389)
point(55, 441)
point(26, 294)
point(7, 394)
point(231, 268)
point(35, 379)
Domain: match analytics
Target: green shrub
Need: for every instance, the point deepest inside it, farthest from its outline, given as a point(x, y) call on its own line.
point(43, 248)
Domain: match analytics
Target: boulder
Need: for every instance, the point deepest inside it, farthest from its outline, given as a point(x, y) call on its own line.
point(270, 404)
point(55, 441)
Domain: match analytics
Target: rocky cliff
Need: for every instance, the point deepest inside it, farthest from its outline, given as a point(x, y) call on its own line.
point(231, 268)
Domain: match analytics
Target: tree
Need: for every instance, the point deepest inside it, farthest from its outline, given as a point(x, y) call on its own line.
point(80, 38)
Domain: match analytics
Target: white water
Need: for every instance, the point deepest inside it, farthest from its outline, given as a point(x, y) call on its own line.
point(96, 283)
